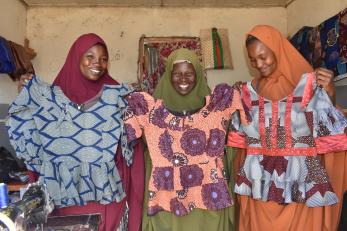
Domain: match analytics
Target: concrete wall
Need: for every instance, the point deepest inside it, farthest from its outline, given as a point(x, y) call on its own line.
point(52, 31)
point(12, 27)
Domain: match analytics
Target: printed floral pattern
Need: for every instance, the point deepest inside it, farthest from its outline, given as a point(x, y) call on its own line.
point(221, 98)
point(193, 142)
point(138, 104)
point(215, 143)
point(165, 143)
point(163, 178)
point(158, 117)
point(185, 151)
point(215, 195)
point(214, 175)
point(191, 206)
point(177, 207)
point(174, 123)
point(151, 194)
point(191, 176)
point(152, 210)
point(130, 131)
point(179, 159)
point(181, 194)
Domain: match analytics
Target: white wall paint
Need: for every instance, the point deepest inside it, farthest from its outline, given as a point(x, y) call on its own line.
point(52, 31)
point(12, 27)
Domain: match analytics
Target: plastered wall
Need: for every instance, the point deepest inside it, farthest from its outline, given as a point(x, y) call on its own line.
point(12, 27)
point(52, 30)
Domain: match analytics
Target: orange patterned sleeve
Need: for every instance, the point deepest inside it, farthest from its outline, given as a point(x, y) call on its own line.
point(137, 114)
point(241, 107)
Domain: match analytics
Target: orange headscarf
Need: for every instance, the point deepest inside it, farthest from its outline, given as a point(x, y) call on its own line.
point(290, 63)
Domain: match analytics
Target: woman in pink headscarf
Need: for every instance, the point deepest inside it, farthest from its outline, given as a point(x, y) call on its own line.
point(82, 79)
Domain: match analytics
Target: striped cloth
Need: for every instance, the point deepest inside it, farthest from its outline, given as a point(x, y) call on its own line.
point(215, 49)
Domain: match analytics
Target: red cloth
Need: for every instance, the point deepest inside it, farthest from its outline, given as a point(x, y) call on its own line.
point(135, 186)
point(33, 176)
point(70, 79)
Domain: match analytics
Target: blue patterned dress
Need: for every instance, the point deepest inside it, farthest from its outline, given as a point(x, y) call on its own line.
point(72, 149)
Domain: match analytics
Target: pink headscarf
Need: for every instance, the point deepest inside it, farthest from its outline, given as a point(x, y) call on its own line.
point(70, 79)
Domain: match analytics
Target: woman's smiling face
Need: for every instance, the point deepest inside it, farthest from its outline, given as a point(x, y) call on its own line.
point(94, 62)
point(262, 58)
point(183, 77)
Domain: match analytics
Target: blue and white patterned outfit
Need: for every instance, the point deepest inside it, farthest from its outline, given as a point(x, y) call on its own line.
point(284, 140)
point(72, 150)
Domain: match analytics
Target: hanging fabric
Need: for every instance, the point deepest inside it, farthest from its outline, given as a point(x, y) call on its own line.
point(343, 35)
point(325, 45)
point(22, 58)
point(7, 64)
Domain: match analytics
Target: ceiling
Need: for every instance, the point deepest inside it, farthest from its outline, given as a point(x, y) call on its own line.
point(161, 3)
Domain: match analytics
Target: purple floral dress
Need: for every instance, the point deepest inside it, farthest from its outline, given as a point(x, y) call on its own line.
point(186, 151)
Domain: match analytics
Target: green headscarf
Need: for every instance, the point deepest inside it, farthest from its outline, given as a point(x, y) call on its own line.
point(171, 98)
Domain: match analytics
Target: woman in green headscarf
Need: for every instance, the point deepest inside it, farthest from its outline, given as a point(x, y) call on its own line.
point(181, 98)
point(174, 100)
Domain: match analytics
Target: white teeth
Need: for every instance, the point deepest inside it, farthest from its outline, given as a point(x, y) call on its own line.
point(95, 71)
point(184, 86)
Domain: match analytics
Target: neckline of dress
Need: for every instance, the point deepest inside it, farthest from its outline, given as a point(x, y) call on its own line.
point(250, 86)
point(192, 114)
point(66, 99)
point(80, 107)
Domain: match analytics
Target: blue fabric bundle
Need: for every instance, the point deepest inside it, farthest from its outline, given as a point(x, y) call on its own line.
point(7, 64)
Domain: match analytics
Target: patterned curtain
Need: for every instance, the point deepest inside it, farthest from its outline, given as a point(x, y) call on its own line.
point(154, 55)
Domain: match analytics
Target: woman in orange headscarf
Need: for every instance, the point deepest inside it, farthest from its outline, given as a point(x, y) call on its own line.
point(281, 80)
